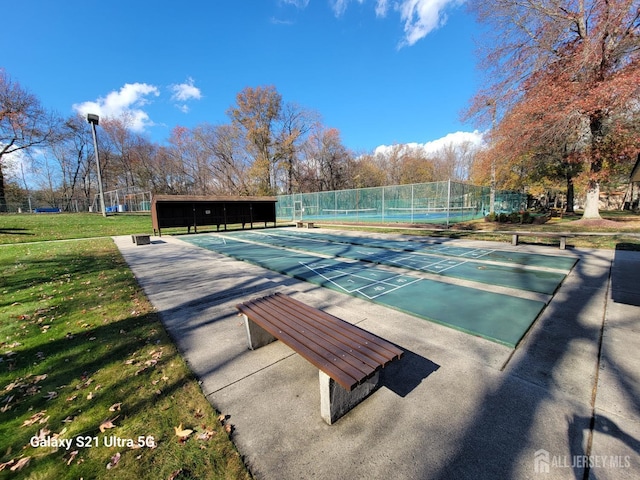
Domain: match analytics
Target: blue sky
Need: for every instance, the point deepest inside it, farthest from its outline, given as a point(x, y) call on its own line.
point(380, 71)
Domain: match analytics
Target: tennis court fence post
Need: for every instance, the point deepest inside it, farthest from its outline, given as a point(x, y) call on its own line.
point(448, 201)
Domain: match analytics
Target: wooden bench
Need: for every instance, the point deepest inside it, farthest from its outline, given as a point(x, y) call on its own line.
point(562, 236)
point(300, 224)
point(348, 358)
point(141, 239)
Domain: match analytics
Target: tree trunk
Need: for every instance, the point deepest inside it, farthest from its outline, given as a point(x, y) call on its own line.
point(592, 204)
point(570, 194)
point(3, 199)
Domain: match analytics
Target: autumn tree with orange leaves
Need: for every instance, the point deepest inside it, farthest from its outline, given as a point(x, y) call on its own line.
point(562, 89)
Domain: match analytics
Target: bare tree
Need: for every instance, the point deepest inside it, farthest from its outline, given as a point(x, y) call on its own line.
point(224, 147)
point(24, 125)
point(257, 114)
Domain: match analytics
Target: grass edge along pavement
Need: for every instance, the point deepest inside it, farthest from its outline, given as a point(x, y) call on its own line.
point(85, 359)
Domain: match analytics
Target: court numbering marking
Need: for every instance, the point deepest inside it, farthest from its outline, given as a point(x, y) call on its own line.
point(381, 286)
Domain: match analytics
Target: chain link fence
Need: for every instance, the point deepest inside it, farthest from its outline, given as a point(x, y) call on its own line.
point(445, 203)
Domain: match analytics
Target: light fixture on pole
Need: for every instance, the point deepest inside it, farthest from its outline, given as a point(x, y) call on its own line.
point(93, 119)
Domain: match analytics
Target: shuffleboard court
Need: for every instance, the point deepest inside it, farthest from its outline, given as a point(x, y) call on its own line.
point(557, 262)
point(467, 267)
point(498, 317)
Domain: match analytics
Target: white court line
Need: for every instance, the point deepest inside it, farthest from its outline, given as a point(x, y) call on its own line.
point(486, 252)
point(359, 289)
point(453, 266)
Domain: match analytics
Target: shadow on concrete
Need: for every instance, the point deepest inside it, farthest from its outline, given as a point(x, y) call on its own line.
point(510, 422)
point(578, 431)
point(405, 375)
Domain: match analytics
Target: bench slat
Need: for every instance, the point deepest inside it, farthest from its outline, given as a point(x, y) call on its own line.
point(361, 337)
point(323, 362)
point(376, 349)
point(345, 352)
point(326, 347)
point(332, 330)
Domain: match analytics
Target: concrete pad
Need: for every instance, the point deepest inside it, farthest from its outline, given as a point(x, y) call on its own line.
point(615, 452)
point(455, 406)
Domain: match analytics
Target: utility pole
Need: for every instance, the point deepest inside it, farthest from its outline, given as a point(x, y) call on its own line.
point(93, 120)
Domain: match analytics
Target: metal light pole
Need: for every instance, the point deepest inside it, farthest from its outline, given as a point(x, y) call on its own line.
point(93, 120)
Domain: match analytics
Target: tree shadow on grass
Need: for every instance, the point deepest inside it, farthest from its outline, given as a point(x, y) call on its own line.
point(14, 231)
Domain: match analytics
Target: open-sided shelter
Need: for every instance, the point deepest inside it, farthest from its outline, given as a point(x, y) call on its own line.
point(169, 211)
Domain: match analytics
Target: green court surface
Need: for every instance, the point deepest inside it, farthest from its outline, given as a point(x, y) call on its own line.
point(498, 317)
point(479, 265)
point(440, 247)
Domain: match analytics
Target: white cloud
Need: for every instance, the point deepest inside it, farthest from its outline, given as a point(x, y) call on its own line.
point(127, 102)
point(186, 91)
point(458, 138)
point(421, 17)
point(296, 3)
point(381, 8)
point(340, 6)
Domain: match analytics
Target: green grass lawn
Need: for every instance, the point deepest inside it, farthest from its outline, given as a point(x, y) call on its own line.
point(84, 359)
point(18, 228)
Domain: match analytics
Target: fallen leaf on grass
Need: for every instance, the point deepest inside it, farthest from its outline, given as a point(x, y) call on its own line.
point(51, 395)
point(36, 417)
point(114, 461)
point(228, 428)
point(174, 474)
point(7, 402)
point(107, 424)
point(182, 433)
point(20, 464)
point(206, 434)
point(72, 455)
point(90, 396)
point(115, 406)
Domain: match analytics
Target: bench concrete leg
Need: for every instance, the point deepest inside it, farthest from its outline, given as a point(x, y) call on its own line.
point(514, 239)
point(335, 401)
point(563, 243)
point(256, 335)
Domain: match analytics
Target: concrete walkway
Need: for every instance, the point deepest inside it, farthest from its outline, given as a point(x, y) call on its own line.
point(564, 404)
